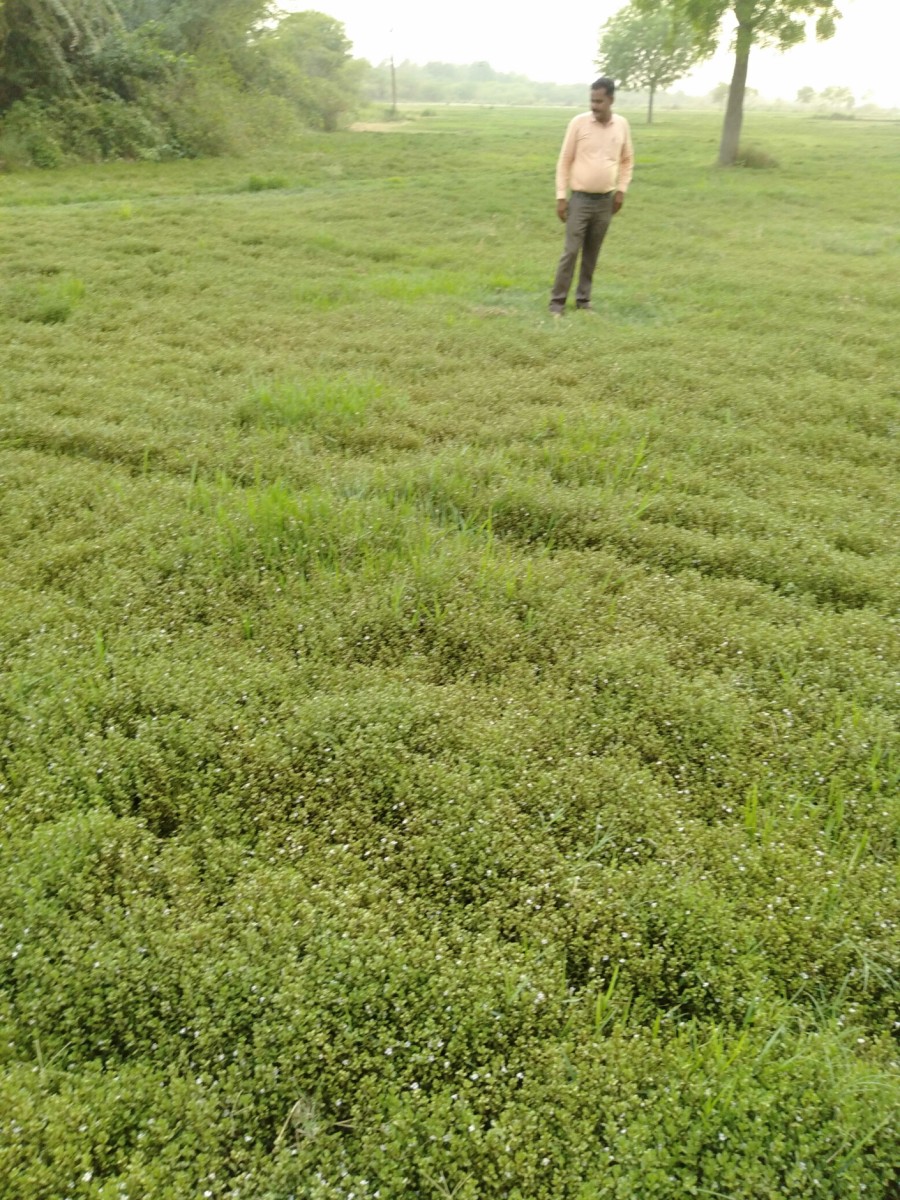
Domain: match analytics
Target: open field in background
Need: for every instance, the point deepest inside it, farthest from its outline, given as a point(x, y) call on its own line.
point(446, 753)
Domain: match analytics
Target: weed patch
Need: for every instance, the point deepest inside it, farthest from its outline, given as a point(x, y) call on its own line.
point(755, 158)
point(265, 183)
point(46, 303)
point(331, 408)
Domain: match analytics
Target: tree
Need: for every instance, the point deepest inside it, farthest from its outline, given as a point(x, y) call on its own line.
point(481, 72)
point(307, 60)
point(50, 49)
point(719, 94)
point(838, 97)
point(210, 29)
point(780, 23)
point(650, 49)
point(806, 95)
point(44, 44)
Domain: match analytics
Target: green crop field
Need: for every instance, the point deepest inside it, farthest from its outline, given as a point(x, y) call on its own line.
point(444, 752)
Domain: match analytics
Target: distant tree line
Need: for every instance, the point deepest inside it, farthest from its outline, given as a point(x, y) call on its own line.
point(475, 83)
point(834, 99)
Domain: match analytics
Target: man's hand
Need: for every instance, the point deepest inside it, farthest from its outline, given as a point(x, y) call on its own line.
point(562, 209)
point(618, 201)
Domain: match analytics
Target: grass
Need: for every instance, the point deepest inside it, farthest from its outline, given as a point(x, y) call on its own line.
point(445, 752)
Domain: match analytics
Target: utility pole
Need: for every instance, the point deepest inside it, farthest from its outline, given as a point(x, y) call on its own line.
point(393, 81)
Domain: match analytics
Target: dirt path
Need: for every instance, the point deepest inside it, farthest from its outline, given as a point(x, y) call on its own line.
point(377, 126)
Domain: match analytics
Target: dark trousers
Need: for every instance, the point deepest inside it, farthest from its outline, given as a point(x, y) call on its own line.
point(586, 225)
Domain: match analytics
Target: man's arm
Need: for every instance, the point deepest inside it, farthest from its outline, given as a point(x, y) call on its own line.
point(563, 166)
point(626, 169)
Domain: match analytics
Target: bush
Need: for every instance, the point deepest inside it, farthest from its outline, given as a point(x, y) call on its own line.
point(755, 158)
point(265, 183)
point(28, 137)
point(92, 129)
point(106, 127)
point(195, 118)
point(208, 117)
point(49, 303)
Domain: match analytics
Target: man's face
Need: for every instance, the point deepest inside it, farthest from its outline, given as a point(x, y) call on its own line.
point(601, 104)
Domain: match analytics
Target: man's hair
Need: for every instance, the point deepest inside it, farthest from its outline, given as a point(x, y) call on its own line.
point(604, 83)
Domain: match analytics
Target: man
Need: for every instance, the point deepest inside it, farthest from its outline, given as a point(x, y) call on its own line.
point(596, 161)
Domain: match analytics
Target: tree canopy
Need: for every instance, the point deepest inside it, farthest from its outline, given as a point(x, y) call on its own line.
point(643, 49)
point(779, 23)
point(838, 97)
point(196, 26)
point(306, 58)
point(45, 43)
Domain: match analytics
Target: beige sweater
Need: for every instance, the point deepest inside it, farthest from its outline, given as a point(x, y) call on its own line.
point(595, 157)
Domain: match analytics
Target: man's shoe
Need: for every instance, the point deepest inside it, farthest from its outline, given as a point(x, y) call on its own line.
point(588, 308)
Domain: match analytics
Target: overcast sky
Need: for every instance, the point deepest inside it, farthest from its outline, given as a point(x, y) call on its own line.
point(558, 42)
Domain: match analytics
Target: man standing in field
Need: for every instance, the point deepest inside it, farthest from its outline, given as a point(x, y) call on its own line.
point(596, 161)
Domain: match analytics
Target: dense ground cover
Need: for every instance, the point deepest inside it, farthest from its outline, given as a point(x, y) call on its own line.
point(446, 753)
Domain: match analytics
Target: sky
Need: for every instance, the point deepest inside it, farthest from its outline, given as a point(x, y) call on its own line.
point(547, 43)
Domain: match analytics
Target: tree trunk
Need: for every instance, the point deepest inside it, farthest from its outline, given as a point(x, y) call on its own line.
point(650, 105)
point(734, 113)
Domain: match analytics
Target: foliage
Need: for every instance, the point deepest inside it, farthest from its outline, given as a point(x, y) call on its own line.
point(211, 28)
point(306, 59)
point(650, 49)
point(44, 43)
point(719, 94)
point(197, 116)
point(780, 23)
point(133, 66)
point(443, 752)
point(49, 303)
point(29, 137)
point(164, 78)
point(838, 97)
point(755, 158)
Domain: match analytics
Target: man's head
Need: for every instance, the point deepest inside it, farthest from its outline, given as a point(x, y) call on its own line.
point(603, 91)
